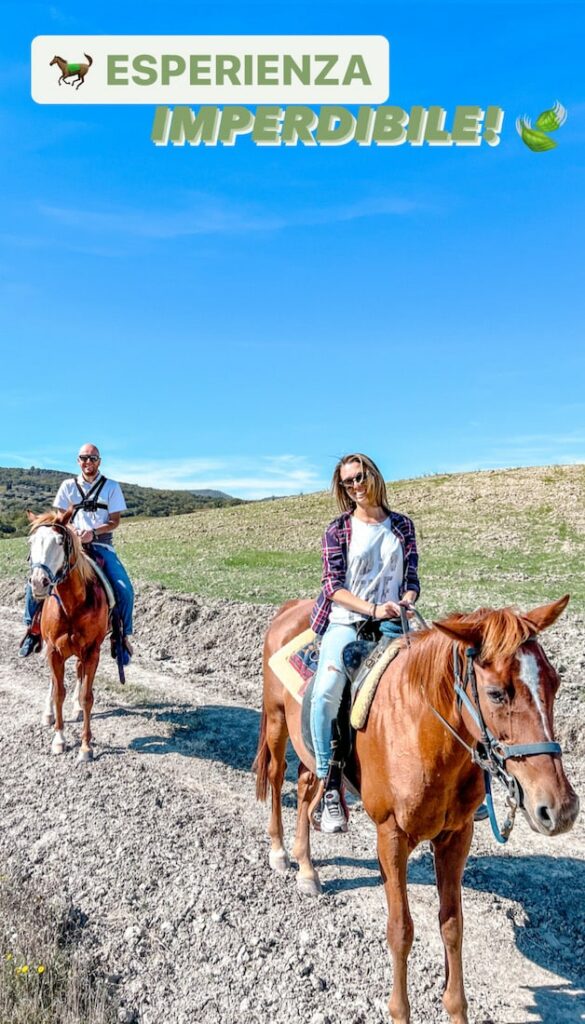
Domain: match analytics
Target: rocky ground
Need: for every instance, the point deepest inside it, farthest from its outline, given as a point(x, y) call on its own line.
point(158, 848)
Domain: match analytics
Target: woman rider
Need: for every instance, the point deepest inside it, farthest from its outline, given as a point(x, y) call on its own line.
point(369, 570)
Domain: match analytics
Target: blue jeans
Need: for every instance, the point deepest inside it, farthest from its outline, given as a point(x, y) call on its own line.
point(330, 679)
point(121, 584)
point(117, 576)
point(30, 606)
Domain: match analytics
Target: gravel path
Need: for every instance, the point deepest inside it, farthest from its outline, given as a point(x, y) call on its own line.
point(159, 849)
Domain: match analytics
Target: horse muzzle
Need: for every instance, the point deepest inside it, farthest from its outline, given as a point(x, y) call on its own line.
point(40, 585)
point(551, 817)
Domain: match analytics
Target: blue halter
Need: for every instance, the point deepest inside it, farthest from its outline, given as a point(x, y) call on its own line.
point(491, 753)
point(57, 578)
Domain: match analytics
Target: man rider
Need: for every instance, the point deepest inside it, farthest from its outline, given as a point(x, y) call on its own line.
point(99, 503)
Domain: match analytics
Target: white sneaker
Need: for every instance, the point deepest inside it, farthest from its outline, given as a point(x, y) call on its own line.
point(333, 818)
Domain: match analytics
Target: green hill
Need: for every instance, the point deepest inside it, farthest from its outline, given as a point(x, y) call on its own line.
point(505, 536)
point(34, 489)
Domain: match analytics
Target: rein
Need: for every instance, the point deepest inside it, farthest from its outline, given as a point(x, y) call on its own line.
point(68, 564)
point(490, 754)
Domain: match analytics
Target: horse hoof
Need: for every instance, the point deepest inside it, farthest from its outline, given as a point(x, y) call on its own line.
point(57, 748)
point(309, 886)
point(48, 719)
point(279, 862)
point(84, 756)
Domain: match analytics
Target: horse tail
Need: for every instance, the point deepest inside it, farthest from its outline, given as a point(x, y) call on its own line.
point(89, 59)
point(262, 761)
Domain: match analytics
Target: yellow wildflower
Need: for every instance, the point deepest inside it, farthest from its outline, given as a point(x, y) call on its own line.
point(23, 969)
point(40, 969)
point(9, 956)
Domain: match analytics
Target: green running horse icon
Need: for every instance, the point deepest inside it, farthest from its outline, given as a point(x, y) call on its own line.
point(75, 71)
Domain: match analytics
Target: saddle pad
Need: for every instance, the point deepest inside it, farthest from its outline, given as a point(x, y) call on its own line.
point(295, 663)
point(366, 693)
point(104, 582)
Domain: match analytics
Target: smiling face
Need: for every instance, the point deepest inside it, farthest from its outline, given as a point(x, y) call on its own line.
point(89, 461)
point(47, 550)
point(355, 480)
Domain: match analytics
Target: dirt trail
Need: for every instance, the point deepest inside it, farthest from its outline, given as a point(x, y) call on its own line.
point(160, 849)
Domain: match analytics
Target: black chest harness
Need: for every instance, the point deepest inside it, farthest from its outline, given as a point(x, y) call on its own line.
point(89, 500)
point(89, 503)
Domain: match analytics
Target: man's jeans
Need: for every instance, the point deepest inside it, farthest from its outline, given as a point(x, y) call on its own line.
point(117, 576)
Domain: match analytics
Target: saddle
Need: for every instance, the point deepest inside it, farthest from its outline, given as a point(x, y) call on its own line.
point(97, 564)
point(365, 661)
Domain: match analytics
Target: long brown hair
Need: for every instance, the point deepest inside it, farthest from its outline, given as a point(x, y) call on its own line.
point(376, 486)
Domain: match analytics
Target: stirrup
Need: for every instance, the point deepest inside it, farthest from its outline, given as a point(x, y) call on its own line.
point(316, 806)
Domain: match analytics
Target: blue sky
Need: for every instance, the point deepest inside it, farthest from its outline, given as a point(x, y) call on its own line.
point(239, 318)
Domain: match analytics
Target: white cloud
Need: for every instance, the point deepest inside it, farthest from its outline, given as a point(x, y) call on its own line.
point(523, 450)
point(206, 214)
point(249, 477)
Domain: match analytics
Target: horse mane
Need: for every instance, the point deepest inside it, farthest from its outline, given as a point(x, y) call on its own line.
point(57, 517)
point(499, 633)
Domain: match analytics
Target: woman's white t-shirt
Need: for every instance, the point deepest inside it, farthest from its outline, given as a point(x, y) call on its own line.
point(374, 567)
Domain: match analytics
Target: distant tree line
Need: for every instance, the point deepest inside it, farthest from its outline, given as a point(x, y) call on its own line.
point(35, 489)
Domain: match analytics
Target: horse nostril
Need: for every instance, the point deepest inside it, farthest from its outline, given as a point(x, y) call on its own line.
point(45, 581)
point(544, 817)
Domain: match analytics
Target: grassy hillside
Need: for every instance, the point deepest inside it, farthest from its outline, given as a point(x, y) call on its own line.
point(35, 489)
point(510, 536)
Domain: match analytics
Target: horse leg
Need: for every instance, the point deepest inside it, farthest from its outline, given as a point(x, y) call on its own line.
point(57, 666)
point(308, 882)
point(89, 666)
point(77, 708)
point(49, 713)
point(276, 739)
point(450, 857)
point(393, 853)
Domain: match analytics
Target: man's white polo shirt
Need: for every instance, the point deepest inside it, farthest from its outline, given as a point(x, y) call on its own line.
point(110, 495)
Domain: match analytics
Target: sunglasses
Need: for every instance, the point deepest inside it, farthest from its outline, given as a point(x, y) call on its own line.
point(88, 458)
point(354, 481)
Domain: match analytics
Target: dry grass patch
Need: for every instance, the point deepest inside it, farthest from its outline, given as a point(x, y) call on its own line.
point(43, 978)
point(498, 537)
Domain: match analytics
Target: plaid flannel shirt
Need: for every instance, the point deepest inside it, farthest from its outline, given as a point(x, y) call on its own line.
point(335, 546)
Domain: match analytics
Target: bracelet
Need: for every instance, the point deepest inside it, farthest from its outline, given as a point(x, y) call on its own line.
point(95, 536)
point(373, 615)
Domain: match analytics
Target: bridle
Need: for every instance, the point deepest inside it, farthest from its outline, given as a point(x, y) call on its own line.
point(491, 753)
point(68, 562)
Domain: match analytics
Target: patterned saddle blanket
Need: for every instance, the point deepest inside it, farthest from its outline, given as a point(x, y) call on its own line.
point(295, 665)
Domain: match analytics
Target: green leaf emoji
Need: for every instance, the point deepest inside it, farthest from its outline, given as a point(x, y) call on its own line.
point(537, 141)
point(550, 120)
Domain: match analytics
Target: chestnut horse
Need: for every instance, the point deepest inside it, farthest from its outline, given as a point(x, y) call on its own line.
point(75, 71)
point(74, 618)
point(415, 777)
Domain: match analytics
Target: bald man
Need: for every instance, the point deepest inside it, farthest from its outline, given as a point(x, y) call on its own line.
point(98, 503)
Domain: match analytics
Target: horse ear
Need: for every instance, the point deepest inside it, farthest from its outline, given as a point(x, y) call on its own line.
point(466, 632)
point(544, 616)
point(64, 517)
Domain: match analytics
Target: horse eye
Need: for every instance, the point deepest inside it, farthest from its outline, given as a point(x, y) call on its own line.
point(496, 696)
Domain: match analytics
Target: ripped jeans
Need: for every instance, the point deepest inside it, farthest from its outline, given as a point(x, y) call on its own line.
point(330, 679)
